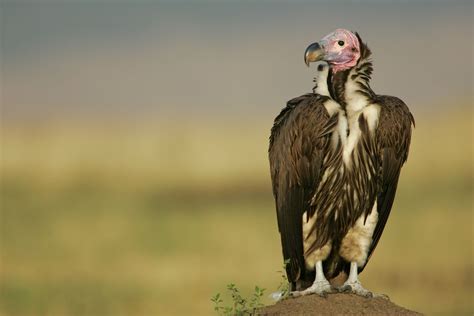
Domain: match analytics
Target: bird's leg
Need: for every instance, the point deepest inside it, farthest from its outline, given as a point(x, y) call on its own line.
point(353, 285)
point(320, 285)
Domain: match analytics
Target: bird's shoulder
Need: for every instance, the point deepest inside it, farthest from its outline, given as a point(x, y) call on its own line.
point(395, 124)
point(306, 112)
point(394, 109)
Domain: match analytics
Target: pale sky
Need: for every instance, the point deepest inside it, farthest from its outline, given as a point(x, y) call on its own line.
point(106, 59)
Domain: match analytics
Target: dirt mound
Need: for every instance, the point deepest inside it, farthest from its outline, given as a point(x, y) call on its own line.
point(336, 304)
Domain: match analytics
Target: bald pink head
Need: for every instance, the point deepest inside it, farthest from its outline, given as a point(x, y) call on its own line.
point(341, 48)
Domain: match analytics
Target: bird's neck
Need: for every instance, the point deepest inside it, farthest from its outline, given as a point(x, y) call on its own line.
point(350, 87)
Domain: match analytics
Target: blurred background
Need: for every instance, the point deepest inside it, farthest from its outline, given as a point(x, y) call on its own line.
point(134, 172)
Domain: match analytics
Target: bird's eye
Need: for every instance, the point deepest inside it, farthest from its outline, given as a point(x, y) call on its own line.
point(320, 67)
point(341, 43)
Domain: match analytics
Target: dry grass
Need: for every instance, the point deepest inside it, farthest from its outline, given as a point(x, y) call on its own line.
point(126, 221)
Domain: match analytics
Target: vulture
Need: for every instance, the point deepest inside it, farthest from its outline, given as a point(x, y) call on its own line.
point(335, 160)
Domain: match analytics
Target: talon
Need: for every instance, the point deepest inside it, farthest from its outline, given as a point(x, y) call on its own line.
point(352, 285)
point(295, 294)
point(324, 294)
point(321, 288)
point(356, 288)
point(382, 296)
point(320, 285)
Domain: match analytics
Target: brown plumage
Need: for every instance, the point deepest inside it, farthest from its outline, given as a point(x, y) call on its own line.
point(300, 152)
point(393, 142)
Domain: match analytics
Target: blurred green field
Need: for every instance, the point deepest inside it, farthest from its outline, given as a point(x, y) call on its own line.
point(124, 220)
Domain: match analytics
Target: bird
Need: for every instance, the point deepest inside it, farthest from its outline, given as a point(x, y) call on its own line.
point(335, 160)
point(320, 81)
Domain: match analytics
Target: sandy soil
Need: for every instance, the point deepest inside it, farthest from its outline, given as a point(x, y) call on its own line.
point(335, 304)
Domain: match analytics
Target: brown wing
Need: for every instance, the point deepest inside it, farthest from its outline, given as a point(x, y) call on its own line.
point(299, 138)
point(393, 142)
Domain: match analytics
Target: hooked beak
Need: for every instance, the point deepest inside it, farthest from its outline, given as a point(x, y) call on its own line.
point(313, 53)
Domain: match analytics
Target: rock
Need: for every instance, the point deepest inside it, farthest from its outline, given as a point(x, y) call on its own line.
point(335, 304)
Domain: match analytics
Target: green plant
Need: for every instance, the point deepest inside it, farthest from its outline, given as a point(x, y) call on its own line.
point(240, 306)
point(284, 287)
point(216, 299)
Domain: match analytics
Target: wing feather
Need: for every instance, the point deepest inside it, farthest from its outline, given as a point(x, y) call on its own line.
point(299, 139)
point(393, 142)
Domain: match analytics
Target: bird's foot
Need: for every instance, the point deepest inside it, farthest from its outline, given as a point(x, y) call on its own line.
point(384, 296)
point(355, 288)
point(321, 288)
